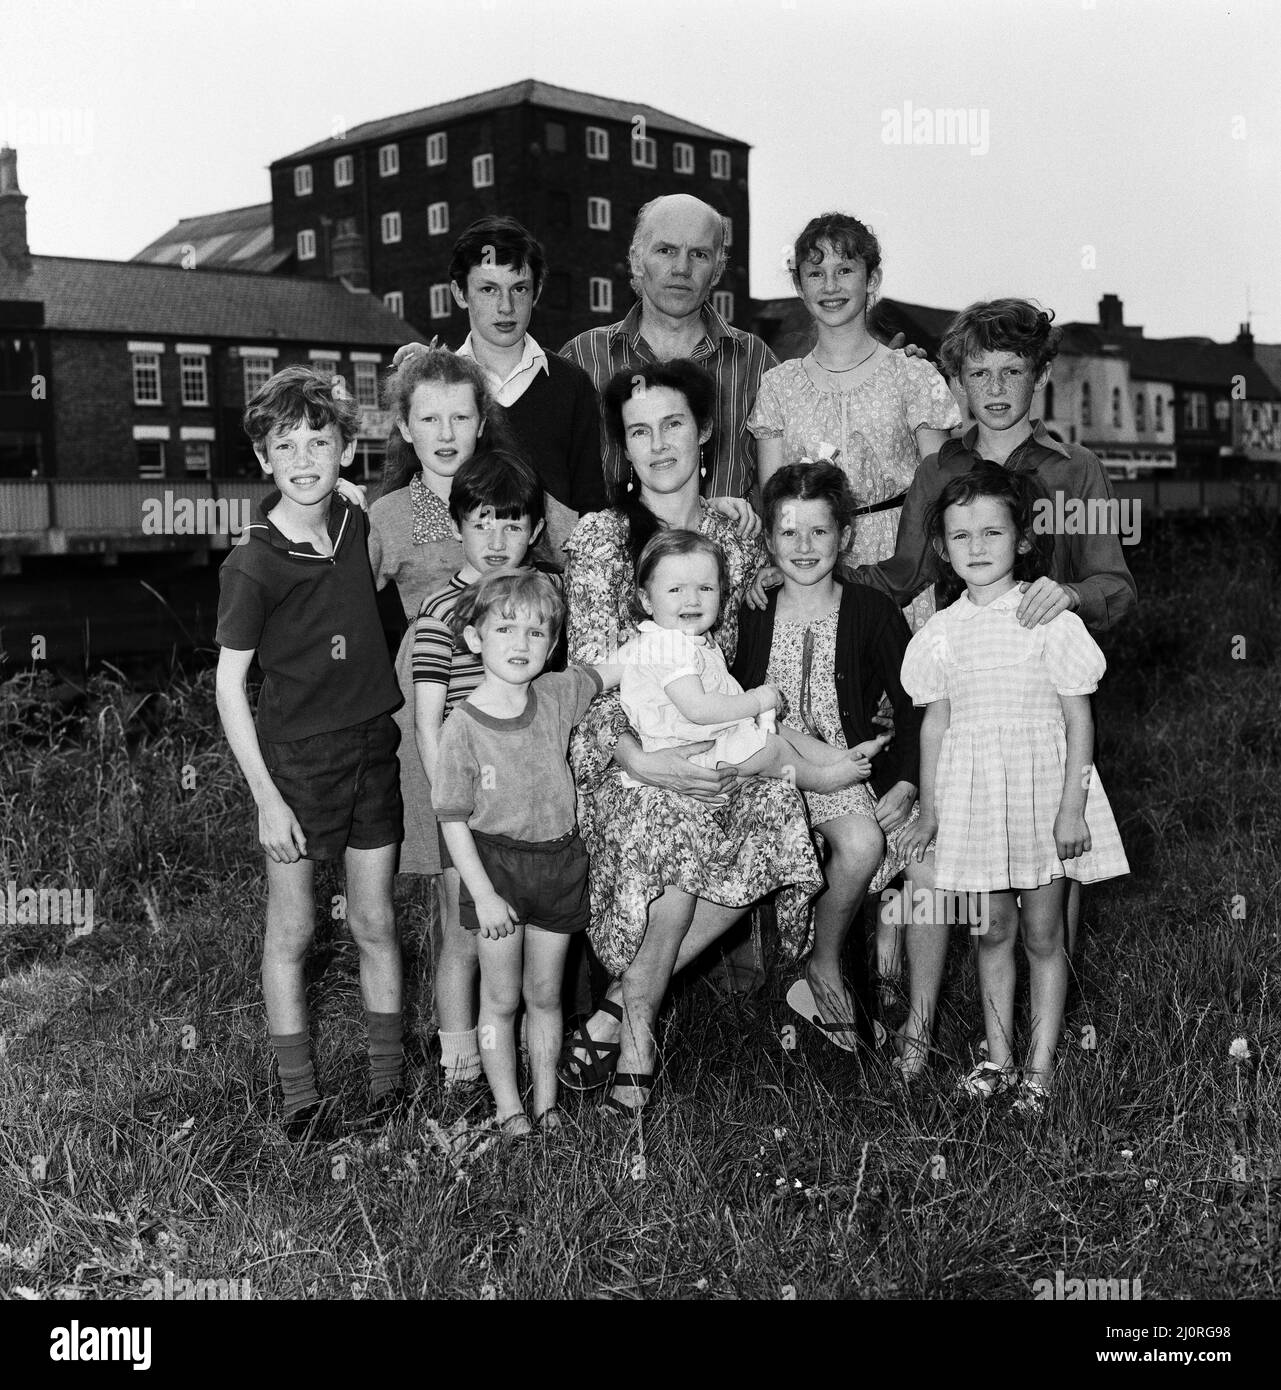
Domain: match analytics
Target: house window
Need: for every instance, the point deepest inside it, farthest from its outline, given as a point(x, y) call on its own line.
point(644, 152)
point(366, 375)
point(302, 180)
point(482, 171)
point(1140, 412)
point(196, 458)
point(720, 164)
point(395, 301)
point(194, 378)
point(554, 137)
point(1196, 411)
point(597, 142)
point(1158, 413)
point(440, 301)
point(437, 149)
point(344, 171)
point(1087, 406)
point(682, 158)
point(390, 224)
point(151, 458)
point(326, 366)
point(307, 245)
point(146, 378)
point(257, 375)
point(1116, 407)
point(1049, 400)
point(438, 219)
point(602, 295)
point(388, 160)
point(598, 214)
point(723, 303)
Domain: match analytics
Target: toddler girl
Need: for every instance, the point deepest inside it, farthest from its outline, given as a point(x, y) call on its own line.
point(1007, 746)
point(677, 690)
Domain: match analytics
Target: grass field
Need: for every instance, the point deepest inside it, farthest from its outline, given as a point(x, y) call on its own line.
point(138, 1133)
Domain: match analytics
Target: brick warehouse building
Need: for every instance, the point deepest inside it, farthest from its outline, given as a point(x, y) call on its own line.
point(113, 370)
point(381, 204)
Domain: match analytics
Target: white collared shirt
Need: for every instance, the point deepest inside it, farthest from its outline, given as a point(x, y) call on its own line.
point(508, 390)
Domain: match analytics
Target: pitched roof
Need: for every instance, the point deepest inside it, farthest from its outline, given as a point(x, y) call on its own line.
point(515, 94)
point(1268, 356)
point(132, 297)
point(238, 239)
point(1180, 361)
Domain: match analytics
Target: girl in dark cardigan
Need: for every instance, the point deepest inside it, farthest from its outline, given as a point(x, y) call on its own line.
point(834, 648)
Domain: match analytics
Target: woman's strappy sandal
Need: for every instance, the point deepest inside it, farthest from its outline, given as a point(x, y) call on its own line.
point(643, 1080)
point(602, 1057)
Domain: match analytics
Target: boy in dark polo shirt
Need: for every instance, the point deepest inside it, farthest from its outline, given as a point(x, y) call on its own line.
point(321, 764)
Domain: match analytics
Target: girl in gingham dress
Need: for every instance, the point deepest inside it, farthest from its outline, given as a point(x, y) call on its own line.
point(1007, 746)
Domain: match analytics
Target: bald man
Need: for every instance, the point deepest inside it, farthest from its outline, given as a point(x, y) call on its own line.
point(677, 257)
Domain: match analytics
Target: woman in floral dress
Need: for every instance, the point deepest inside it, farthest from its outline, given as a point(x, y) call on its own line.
point(674, 862)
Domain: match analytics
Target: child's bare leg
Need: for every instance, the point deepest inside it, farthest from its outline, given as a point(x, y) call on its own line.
point(456, 973)
point(544, 978)
point(926, 942)
point(372, 919)
point(855, 847)
point(779, 758)
point(997, 974)
point(500, 987)
point(1042, 923)
point(291, 925)
point(889, 953)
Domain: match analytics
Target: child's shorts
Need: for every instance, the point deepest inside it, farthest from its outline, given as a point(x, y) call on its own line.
point(545, 881)
point(344, 786)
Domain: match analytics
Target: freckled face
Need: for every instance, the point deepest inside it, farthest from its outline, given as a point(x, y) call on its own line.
point(443, 425)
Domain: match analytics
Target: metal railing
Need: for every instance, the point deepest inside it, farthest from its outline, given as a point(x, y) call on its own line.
point(113, 507)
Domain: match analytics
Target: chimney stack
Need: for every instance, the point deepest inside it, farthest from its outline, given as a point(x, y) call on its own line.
point(1245, 340)
point(1111, 317)
point(14, 251)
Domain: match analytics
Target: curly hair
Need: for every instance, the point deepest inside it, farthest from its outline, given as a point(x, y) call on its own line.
point(509, 593)
point(847, 236)
point(1000, 325)
point(295, 394)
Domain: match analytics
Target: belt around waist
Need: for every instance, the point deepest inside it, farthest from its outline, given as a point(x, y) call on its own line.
point(887, 505)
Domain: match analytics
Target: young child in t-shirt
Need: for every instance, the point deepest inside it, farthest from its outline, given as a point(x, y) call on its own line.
point(496, 506)
point(321, 762)
point(505, 800)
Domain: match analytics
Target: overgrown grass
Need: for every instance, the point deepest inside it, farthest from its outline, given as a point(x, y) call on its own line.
point(139, 1134)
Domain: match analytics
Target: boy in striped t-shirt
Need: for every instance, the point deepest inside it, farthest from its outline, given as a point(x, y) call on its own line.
point(496, 504)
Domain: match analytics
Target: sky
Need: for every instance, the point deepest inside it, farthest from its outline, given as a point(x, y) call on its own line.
point(1130, 146)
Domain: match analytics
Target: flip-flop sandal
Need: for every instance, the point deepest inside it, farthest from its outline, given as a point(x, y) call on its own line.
point(800, 999)
point(602, 1057)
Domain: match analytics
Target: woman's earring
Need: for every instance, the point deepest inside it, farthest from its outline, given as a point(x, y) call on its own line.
point(702, 460)
point(631, 474)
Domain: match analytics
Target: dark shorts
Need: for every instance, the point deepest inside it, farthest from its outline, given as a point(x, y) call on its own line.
point(343, 786)
point(545, 881)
